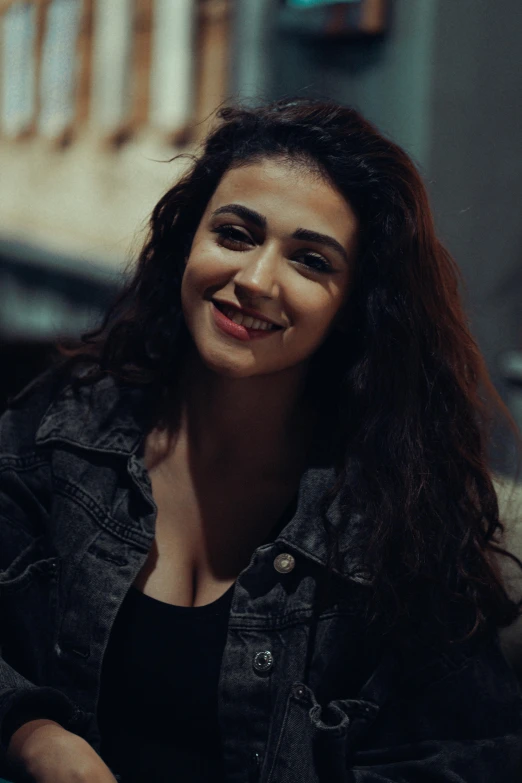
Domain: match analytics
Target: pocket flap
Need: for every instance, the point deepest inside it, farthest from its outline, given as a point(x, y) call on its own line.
point(29, 564)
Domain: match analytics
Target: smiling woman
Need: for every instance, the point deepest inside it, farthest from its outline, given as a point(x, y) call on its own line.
point(248, 530)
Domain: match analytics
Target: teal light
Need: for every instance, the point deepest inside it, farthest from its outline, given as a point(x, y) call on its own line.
point(316, 3)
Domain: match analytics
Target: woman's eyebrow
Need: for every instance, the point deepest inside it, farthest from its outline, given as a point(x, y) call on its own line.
point(300, 233)
point(321, 239)
point(243, 212)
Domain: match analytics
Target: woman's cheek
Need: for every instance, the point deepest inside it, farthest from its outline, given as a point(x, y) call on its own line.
point(207, 271)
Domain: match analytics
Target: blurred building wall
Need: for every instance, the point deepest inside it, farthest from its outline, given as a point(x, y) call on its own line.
point(96, 98)
point(445, 82)
point(475, 161)
point(149, 73)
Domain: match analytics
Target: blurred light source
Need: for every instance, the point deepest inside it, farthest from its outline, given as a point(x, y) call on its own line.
point(172, 66)
point(18, 74)
point(43, 297)
point(511, 368)
point(58, 68)
point(315, 3)
point(112, 64)
point(335, 18)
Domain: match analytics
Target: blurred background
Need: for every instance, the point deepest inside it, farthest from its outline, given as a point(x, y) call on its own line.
point(96, 96)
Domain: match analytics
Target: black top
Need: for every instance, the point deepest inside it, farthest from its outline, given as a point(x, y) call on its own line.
point(158, 708)
point(158, 704)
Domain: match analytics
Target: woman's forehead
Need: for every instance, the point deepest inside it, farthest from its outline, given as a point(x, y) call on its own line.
point(289, 196)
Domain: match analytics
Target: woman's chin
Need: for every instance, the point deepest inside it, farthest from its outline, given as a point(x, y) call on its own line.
point(226, 366)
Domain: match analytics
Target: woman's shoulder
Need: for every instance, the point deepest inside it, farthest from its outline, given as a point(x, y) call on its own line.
point(25, 409)
point(57, 400)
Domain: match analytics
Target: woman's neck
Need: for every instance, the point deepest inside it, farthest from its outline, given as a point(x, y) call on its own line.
point(259, 421)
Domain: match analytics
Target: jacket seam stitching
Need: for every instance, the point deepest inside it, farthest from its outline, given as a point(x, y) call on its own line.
point(22, 463)
point(100, 515)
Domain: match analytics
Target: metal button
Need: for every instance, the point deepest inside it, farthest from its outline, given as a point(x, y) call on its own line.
point(284, 563)
point(362, 573)
point(263, 661)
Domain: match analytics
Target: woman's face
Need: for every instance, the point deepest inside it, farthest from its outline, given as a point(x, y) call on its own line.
point(273, 249)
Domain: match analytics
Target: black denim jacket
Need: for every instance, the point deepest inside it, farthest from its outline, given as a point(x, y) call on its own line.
point(320, 703)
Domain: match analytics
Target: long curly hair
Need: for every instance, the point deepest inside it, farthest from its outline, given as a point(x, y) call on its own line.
point(412, 398)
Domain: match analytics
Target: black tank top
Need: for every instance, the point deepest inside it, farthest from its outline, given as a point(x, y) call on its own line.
point(158, 695)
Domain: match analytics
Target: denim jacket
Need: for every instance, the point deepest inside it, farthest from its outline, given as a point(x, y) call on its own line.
point(304, 696)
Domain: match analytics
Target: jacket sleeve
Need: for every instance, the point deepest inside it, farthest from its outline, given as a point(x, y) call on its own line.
point(24, 551)
point(458, 721)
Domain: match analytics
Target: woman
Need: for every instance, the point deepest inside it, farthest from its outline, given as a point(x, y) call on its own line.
point(248, 528)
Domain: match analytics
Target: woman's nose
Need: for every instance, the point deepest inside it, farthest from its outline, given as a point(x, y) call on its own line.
point(259, 272)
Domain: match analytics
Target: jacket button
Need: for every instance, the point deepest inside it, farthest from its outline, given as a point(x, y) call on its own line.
point(284, 563)
point(263, 661)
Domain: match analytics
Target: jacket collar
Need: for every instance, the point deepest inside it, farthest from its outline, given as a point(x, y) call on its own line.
point(98, 417)
point(306, 531)
point(107, 417)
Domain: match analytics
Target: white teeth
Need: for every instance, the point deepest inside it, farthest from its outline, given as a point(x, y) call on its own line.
point(246, 320)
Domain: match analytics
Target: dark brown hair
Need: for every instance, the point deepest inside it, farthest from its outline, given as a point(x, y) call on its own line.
point(414, 402)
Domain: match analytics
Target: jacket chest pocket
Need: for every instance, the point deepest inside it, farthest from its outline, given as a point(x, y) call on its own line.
point(28, 607)
point(316, 742)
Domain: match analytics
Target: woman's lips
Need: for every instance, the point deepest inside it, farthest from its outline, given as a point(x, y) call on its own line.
point(237, 330)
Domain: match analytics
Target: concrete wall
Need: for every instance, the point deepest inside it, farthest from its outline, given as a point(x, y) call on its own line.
point(387, 79)
point(476, 160)
point(446, 84)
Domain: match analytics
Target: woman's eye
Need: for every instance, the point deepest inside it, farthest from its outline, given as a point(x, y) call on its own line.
point(236, 239)
point(315, 262)
point(229, 236)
